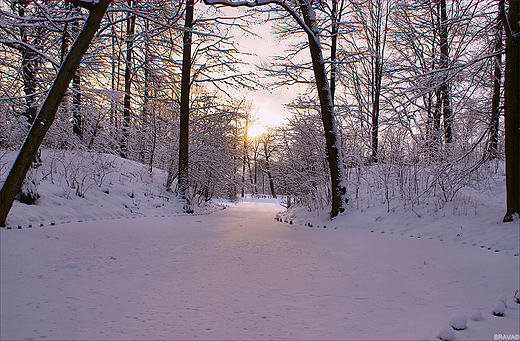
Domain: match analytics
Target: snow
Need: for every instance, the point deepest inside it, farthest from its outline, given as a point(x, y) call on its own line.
point(499, 309)
point(447, 333)
point(108, 269)
point(458, 321)
point(476, 316)
point(503, 299)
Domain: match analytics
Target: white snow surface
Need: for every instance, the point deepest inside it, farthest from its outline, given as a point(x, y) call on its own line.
point(104, 271)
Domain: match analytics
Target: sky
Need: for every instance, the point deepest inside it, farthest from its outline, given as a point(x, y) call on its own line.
point(268, 105)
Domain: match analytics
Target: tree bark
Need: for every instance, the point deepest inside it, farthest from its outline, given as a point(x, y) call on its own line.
point(512, 110)
point(77, 117)
point(127, 109)
point(333, 48)
point(444, 64)
point(30, 61)
point(146, 94)
point(495, 102)
point(268, 169)
point(48, 110)
point(377, 79)
point(338, 184)
point(182, 182)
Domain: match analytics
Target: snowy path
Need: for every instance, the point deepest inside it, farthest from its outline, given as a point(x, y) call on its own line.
point(239, 274)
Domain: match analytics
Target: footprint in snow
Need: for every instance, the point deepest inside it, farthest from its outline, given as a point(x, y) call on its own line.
point(71, 265)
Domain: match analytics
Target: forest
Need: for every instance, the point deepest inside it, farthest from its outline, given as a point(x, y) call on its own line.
point(413, 99)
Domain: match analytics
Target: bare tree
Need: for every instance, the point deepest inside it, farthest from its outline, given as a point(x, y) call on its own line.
point(45, 117)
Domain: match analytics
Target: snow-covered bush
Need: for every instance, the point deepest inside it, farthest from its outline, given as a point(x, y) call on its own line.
point(458, 321)
point(499, 309)
point(503, 299)
point(29, 192)
point(476, 316)
point(447, 333)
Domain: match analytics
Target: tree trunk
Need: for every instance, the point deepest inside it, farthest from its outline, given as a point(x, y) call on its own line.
point(512, 110)
point(146, 94)
point(444, 64)
point(337, 176)
point(48, 110)
point(495, 102)
point(379, 39)
point(77, 117)
point(333, 48)
point(376, 95)
point(127, 110)
point(30, 61)
point(268, 169)
point(182, 184)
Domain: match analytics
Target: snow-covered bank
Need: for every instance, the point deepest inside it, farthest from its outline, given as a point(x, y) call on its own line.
point(76, 186)
point(240, 274)
point(472, 217)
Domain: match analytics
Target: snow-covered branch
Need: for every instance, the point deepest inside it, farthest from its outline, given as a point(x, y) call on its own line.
point(256, 3)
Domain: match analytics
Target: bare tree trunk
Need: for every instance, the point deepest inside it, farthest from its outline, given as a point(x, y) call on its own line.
point(127, 109)
point(376, 95)
point(182, 184)
point(512, 110)
point(30, 61)
point(268, 169)
point(335, 161)
point(48, 110)
point(445, 87)
point(244, 159)
point(146, 94)
point(333, 48)
point(77, 117)
point(495, 102)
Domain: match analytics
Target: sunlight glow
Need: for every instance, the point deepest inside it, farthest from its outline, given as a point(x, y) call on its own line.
point(255, 130)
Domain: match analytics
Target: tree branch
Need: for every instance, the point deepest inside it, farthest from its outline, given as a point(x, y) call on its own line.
point(256, 3)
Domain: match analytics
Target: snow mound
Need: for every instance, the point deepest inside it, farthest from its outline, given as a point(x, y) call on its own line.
point(476, 316)
point(503, 299)
point(499, 309)
point(447, 333)
point(458, 321)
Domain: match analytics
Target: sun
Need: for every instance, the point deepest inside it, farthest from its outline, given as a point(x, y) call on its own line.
point(255, 130)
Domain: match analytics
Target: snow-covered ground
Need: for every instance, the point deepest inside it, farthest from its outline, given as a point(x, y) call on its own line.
point(127, 265)
point(240, 274)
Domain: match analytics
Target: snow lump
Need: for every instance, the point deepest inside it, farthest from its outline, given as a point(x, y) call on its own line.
point(476, 316)
point(499, 309)
point(447, 333)
point(503, 298)
point(458, 321)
